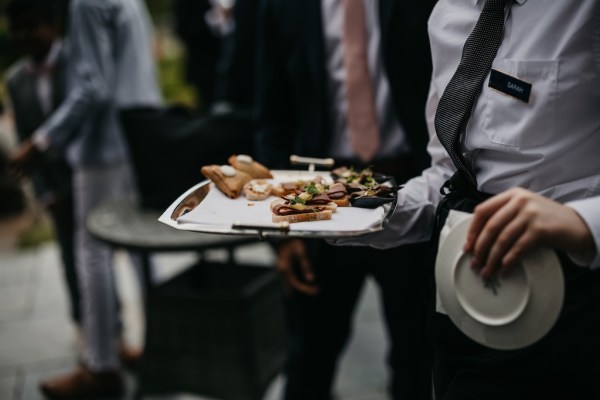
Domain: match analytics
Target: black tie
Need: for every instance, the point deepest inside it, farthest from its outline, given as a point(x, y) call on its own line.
point(457, 100)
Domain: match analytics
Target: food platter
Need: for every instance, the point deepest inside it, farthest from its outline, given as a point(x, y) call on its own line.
point(203, 208)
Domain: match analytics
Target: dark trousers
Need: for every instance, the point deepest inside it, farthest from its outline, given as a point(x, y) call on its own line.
point(62, 214)
point(565, 364)
point(319, 326)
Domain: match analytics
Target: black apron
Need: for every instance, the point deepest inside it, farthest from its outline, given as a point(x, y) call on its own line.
point(565, 364)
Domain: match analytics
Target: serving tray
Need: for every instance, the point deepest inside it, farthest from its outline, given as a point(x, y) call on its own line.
point(203, 208)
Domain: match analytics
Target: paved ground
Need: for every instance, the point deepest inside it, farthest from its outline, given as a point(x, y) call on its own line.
point(37, 339)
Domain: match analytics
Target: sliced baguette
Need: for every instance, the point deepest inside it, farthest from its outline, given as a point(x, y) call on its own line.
point(306, 217)
point(285, 188)
point(332, 205)
point(339, 194)
point(342, 202)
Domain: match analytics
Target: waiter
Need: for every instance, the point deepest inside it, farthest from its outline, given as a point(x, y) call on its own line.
point(514, 131)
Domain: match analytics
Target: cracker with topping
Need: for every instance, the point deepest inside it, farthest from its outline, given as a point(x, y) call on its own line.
point(245, 163)
point(229, 180)
point(258, 189)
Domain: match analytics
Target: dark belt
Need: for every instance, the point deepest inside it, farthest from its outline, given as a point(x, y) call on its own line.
point(458, 195)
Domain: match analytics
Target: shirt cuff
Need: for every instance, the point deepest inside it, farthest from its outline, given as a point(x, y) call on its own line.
point(40, 140)
point(589, 211)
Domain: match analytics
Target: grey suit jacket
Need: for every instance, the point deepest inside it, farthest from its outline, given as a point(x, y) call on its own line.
point(53, 177)
point(111, 67)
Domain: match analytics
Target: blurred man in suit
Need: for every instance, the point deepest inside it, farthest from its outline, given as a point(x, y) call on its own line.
point(203, 47)
point(111, 67)
point(330, 72)
point(235, 84)
point(36, 86)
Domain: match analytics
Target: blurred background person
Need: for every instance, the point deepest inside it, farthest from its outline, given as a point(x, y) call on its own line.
point(36, 87)
point(235, 86)
point(111, 67)
point(347, 79)
point(13, 202)
point(202, 47)
point(219, 38)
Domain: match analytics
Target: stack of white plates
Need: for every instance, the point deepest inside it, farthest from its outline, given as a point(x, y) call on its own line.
point(510, 311)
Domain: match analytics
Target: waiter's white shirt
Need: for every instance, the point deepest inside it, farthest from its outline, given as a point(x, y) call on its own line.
point(550, 145)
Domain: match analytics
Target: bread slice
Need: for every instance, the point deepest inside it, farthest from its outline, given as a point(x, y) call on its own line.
point(325, 214)
point(331, 205)
point(338, 194)
point(253, 168)
point(342, 202)
point(258, 189)
point(304, 217)
point(285, 188)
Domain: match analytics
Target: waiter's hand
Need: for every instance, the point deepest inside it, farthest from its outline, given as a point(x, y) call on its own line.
point(295, 267)
point(24, 159)
point(507, 226)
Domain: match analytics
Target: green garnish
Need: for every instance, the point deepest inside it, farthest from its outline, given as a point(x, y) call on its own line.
point(312, 189)
point(298, 200)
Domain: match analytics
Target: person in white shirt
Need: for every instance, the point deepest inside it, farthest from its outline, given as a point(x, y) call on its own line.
point(36, 87)
point(111, 68)
point(535, 153)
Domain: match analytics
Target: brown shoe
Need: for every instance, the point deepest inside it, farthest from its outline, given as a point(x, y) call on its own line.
point(130, 357)
point(83, 384)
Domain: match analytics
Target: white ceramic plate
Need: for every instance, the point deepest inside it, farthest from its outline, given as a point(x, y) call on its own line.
point(509, 312)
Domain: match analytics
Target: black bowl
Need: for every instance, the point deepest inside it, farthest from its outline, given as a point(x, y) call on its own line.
point(371, 201)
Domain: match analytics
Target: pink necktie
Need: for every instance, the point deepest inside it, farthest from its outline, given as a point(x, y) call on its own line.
point(362, 118)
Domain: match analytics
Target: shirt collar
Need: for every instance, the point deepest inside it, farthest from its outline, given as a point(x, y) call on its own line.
point(50, 60)
point(521, 2)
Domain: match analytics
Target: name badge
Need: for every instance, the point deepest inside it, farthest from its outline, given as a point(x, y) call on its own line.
point(510, 85)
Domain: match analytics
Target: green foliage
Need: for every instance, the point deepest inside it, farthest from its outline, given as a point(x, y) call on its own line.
point(174, 88)
point(40, 232)
point(159, 7)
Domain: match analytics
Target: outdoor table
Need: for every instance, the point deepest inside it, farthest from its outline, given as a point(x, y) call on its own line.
point(223, 338)
point(123, 224)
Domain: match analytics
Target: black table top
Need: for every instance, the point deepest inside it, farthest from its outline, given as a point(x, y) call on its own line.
point(123, 224)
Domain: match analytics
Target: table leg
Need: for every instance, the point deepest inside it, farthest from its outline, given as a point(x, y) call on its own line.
point(146, 273)
point(230, 255)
